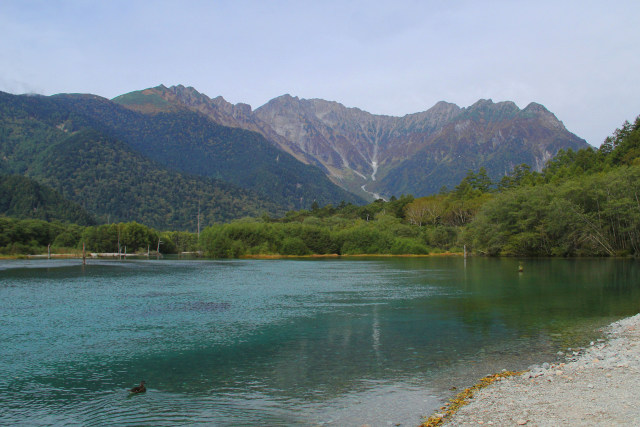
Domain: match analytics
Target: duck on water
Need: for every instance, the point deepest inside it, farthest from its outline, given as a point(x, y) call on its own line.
point(139, 388)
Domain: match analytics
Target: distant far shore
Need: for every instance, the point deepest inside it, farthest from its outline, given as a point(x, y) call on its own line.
point(96, 255)
point(277, 256)
point(89, 255)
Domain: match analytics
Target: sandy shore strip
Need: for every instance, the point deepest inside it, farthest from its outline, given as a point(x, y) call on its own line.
point(597, 386)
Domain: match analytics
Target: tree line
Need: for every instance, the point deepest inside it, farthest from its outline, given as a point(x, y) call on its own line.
point(34, 236)
point(584, 203)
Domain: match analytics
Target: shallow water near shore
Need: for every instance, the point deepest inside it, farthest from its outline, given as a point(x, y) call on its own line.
point(285, 342)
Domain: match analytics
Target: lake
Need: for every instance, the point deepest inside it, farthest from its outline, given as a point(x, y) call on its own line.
point(379, 341)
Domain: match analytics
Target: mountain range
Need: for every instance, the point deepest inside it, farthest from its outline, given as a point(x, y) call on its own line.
point(162, 155)
point(375, 155)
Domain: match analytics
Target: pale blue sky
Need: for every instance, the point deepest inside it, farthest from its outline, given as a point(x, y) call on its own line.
point(578, 58)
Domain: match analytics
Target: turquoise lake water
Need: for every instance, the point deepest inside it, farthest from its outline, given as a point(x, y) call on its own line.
point(341, 342)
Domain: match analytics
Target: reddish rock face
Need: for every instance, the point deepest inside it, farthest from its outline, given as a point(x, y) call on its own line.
point(417, 153)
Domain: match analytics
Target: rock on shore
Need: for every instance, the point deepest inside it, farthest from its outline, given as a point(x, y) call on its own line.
point(596, 386)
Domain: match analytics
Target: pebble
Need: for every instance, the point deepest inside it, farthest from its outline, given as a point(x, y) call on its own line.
point(521, 422)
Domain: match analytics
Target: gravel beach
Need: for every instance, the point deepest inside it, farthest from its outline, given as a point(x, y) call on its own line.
point(597, 386)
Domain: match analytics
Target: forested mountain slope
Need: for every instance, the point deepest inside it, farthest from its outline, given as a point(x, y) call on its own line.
point(44, 140)
point(191, 142)
point(22, 197)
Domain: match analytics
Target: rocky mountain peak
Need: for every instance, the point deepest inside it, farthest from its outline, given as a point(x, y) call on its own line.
point(219, 100)
point(481, 103)
point(534, 107)
point(243, 108)
point(546, 117)
point(442, 112)
point(282, 101)
point(188, 96)
point(443, 106)
point(487, 105)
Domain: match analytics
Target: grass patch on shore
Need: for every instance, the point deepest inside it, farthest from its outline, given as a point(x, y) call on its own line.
point(464, 397)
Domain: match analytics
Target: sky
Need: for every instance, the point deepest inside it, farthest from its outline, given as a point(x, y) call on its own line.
point(578, 58)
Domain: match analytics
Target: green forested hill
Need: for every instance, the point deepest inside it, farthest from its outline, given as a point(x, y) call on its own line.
point(42, 139)
point(191, 143)
point(22, 197)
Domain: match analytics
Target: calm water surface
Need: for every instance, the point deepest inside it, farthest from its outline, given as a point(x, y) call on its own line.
point(284, 342)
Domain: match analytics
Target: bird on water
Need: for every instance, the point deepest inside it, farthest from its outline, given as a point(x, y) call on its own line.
point(139, 388)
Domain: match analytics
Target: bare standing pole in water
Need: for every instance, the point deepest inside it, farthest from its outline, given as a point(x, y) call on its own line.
point(84, 256)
